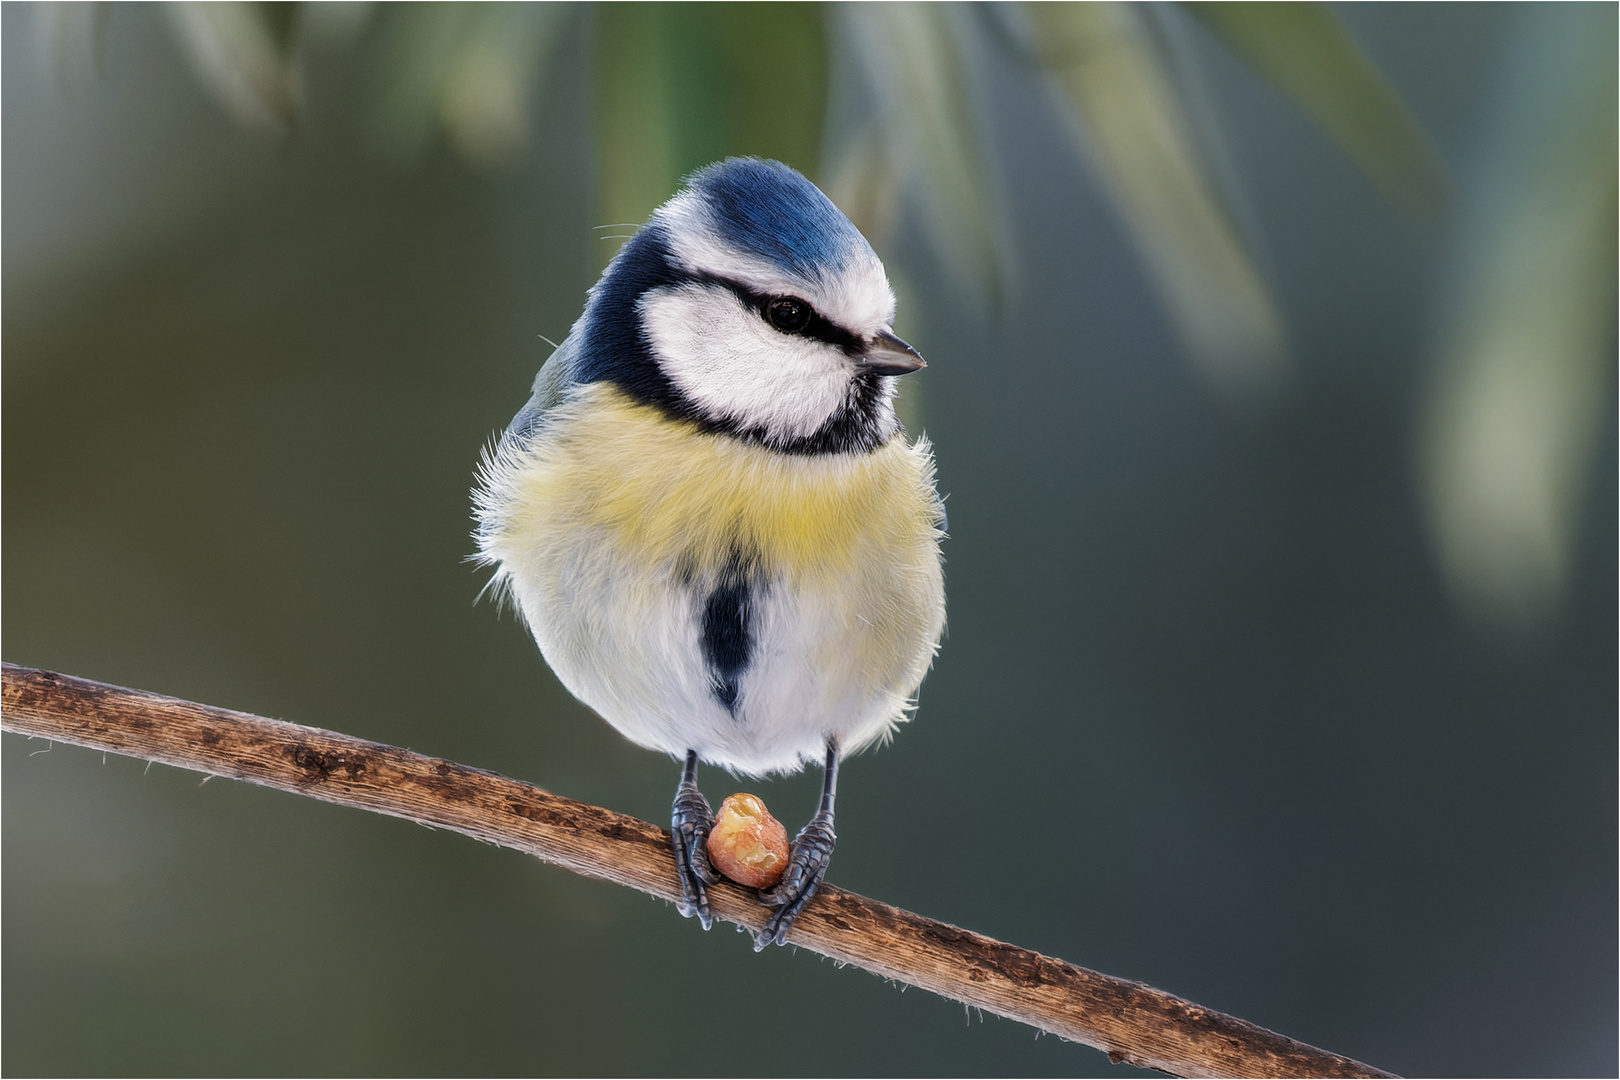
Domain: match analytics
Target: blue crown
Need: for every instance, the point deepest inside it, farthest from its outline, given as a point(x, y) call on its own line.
point(767, 209)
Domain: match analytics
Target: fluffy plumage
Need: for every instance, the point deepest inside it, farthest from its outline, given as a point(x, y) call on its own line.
point(717, 530)
point(624, 535)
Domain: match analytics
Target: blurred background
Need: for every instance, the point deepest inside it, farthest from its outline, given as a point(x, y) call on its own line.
point(1272, 356)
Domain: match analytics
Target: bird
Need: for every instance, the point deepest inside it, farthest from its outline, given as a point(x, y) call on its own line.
point(711, 520)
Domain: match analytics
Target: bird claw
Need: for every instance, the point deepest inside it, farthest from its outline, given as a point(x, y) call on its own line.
point(807, 864)
point(690, 824)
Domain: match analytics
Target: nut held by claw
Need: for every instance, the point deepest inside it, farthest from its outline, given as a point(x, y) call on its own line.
point(746, 844)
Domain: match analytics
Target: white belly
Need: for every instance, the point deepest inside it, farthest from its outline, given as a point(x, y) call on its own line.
point(629, 643)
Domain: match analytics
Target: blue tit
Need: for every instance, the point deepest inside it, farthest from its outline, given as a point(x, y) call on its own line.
point(708, 514)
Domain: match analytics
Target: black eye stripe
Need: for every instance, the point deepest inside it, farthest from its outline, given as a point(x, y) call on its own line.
point(818, 326)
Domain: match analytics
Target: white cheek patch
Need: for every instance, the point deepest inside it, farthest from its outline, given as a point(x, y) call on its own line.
point(857, 297)
point(723, 357)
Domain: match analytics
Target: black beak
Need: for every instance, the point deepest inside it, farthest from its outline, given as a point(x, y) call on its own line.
point(886, 354)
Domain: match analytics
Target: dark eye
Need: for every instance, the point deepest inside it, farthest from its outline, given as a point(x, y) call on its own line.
point(787, 314)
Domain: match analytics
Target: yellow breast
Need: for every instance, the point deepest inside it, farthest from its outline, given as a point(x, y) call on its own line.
point(669, 494)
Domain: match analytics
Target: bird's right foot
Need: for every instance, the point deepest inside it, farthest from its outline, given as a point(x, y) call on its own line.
point(690, 824)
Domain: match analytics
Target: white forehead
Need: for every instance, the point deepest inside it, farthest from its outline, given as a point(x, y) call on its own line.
point(855, 296)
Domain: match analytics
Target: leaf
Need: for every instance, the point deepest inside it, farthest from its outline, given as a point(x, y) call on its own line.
point(922, 139)
point(468, 69)
point(1129, 119)
point(243, 53)
point(1526, 363)
point(1306, 52)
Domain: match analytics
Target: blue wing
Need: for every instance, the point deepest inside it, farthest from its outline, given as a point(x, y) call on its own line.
point(556, 375)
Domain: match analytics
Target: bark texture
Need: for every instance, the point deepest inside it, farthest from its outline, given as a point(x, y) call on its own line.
point(1127, 1020)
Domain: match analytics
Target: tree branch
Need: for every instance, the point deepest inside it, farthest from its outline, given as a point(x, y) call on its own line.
point(1127, 1020)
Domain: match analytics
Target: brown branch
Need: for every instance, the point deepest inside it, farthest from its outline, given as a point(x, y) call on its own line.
point(1127, 1020)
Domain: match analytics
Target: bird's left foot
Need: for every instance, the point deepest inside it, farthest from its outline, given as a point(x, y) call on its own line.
point(807, 864)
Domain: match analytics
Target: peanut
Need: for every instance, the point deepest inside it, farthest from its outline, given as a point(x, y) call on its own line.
point(747, 844)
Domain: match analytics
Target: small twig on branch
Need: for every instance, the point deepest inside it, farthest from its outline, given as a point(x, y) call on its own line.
point(1127, 1020)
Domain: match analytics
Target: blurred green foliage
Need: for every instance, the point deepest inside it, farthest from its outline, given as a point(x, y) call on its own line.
point(1306, 52)
point(1524, 375)
point(1206, 670)
point(681, 85)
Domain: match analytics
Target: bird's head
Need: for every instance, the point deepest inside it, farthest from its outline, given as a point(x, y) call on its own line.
point(752, 306)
